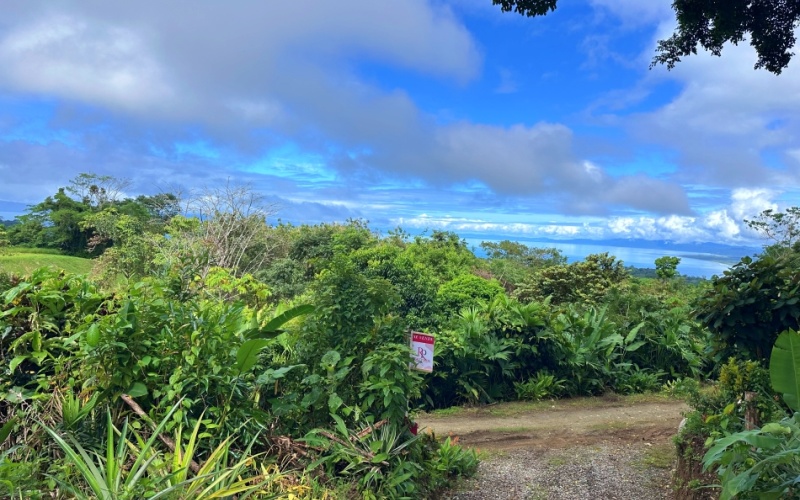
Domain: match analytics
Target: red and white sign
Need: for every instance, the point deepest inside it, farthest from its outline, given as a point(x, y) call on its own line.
point(422, 351)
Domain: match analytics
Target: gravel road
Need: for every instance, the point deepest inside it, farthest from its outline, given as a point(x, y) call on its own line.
point(603, 449)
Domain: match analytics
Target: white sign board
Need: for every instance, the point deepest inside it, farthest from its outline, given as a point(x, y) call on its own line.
point(422, 351)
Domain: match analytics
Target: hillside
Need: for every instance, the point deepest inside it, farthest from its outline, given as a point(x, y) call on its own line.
point(22, 261)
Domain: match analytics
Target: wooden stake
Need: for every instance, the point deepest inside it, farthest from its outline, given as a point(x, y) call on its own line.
point(164, 439)
point(750, 411)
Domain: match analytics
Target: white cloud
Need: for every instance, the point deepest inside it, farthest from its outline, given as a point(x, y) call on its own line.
point(193, 59)
point(100, 63)
point(294, 70)
point(725, 225)
point(725, 118)
point(747, 203)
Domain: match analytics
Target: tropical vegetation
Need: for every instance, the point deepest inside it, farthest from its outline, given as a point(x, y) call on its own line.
point(211, 352)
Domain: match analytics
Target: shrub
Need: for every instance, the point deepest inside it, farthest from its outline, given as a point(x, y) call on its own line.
point(465, 291)
point(541, 386)
point(751, 303)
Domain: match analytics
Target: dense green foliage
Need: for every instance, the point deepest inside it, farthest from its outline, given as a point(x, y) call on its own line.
point(285, 348)
point(92, 219)
point(667, 267)
point(765, 462)
point(750, 304)
point(743, 430)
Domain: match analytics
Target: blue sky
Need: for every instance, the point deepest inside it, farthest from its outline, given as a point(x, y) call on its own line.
point(423, 114)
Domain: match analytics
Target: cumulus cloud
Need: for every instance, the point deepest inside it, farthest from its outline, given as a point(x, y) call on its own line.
point(726, 120)
point(723, 225)
point(100, 63)
point(191, 59)
point(718, 121)
point(245, 74)
point(522, 160)
point(473, 225)
point(648, 194)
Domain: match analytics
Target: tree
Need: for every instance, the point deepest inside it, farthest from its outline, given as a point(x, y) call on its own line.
point(444, 253)
point(782, 228)
point(97, 190)
point(519, 252)
point(769, 24)
point(751, 304)
point(528, 8)
point(667, 267)
point(54, 223)
point(585, 282)
point(756, 299)
point(466, 290)
point(233, 231)
point(512, 262)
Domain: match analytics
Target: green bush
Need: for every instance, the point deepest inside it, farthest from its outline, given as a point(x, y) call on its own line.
point(387, 384)
point(585, 282)
point(765, 462)
point(636, 380)
point(542, 386)
point(759, 463)
point(749, 305)
point(453, 461)
point(465, 291)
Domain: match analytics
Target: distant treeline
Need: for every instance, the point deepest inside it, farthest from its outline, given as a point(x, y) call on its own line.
point(648, 272)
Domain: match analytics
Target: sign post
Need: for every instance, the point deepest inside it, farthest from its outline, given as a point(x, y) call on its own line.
point(422, 351)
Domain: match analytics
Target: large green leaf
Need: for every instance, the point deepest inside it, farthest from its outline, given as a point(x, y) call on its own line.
point(137, 390)
point(784, 367)
point(5, 431)
point(247, 355)
point(272, 328)
point(287, 316)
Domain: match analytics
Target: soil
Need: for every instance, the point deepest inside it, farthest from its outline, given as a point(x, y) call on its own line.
point(611, 447)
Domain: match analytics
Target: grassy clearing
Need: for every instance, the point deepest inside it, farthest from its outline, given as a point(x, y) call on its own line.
point(22, 261)
point(517, 407)
point(45, 251)
point(660, 456)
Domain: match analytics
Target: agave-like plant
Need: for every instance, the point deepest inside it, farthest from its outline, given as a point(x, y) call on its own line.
point(374, 457)
point(151, 475)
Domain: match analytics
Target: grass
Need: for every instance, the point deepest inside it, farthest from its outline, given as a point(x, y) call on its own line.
point(660, 456)
point(22, 261)
point(518, 407)
point(510, 429)
point(46, 251)
point(446, 412)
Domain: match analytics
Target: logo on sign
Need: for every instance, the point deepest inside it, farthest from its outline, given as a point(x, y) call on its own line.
point(422, 351)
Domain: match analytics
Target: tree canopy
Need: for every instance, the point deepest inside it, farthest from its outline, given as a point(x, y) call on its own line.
point(768, 24)
point(667, 267)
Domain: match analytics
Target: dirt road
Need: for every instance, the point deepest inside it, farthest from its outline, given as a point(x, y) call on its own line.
point(615, 448)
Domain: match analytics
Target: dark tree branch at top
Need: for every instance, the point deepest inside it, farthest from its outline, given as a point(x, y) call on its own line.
point(528, 8)
point(768, 25)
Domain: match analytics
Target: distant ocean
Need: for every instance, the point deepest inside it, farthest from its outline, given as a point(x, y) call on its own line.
point(701, 260)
